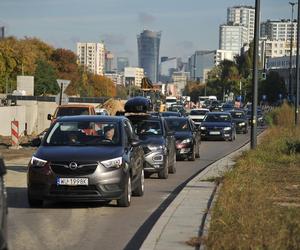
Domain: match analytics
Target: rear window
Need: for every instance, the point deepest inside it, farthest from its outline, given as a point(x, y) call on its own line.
point(68, 111)
point(217, 118)
point(147, 127)
point(198, 112)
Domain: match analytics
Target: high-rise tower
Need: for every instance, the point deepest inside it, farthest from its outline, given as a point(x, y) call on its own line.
point(148, 53)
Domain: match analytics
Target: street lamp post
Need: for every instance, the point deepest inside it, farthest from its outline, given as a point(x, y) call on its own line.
point(297, 69)
point(291, 51)
point(255, 77)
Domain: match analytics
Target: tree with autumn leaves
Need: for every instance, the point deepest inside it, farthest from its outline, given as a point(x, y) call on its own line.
point(31, 56)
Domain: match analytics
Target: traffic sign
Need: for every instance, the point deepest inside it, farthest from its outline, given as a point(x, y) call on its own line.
point(64, 99)
point(63, 83)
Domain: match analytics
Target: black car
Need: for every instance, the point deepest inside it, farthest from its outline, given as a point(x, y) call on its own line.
point(188, 137)
point(177, 108)
point(87, 158)
point(158, 143)
point(240, 120)
point(3, 207)
point(260, 117)
point(218, 125)
point(226, 107)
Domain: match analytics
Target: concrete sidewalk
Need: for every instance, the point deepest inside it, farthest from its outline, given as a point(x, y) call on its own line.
point(185, 217)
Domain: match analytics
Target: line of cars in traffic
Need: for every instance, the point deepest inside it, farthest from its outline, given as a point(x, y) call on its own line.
point(104, 158)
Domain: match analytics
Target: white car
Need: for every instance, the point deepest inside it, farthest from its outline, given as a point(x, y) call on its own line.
point(101, 112)
point(197, 115)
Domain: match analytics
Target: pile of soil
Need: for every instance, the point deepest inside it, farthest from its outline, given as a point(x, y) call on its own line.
point(112, 106)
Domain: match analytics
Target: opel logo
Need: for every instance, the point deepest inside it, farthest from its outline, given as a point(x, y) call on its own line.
point(73, 165)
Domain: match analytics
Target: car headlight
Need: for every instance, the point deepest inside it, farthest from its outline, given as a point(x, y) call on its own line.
point(242, 124)
point(37, 162)
point(203, 128)
point(186, 141)
point(113, 163)
point(155, 147)
point(227, 128)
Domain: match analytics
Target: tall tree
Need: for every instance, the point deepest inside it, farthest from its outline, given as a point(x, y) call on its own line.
point(45, 79)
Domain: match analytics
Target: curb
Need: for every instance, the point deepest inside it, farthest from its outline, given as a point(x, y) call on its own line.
point(170, 231)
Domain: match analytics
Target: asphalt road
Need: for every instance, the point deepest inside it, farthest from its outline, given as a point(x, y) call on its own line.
point(93, 225)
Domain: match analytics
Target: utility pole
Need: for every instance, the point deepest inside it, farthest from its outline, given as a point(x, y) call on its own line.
point(297, 69)
point(255, 77)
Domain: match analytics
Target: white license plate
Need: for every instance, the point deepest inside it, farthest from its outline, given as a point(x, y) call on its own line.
point(72, 181)
point(214, 132)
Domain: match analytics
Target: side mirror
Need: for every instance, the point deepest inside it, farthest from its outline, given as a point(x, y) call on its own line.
point(36, 142)
point(49, 117)
point(2, 167)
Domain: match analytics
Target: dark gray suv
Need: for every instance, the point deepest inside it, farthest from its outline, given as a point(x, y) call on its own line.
point(87, 158)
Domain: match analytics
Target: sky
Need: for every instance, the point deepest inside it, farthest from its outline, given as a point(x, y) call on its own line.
point(186, 25)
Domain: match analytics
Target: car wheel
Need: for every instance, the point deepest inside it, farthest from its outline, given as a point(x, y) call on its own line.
point(164, 173)
point(34, 202)
point(193, 156)
point(172, 168)
point(125, 199)
point(139, 191)
point(198, 151)
point(147, 174)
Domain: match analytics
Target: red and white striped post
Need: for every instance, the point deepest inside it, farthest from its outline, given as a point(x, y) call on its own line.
point(15, 133)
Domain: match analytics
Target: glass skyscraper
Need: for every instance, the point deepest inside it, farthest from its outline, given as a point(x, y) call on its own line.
point(148, 53)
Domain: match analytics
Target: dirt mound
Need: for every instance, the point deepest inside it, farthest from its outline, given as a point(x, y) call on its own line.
point(112, 106)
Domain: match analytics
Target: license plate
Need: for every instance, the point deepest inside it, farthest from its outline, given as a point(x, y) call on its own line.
point(72, 181)
point(214, 133)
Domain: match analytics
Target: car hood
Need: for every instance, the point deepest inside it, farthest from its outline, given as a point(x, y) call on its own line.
point(183, 135)
point(76, 153)
point(152, 140)
point(216, 124)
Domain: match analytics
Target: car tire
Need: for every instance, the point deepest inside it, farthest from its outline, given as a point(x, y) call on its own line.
point(193, 156)
point(172, 168)
point(125, 199)
point(147, 174)
point(164, 173)
point(139, 190)
point(34, 202)
point(197, 155)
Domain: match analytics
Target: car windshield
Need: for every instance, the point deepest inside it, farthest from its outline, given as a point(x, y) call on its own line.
point(217, 118)
point(198, 112)
point(237, 115)
point(178, 125)
point(165, 114)
point(68, 111)
point(227, 106)
point(83, 133)
point(147, 127)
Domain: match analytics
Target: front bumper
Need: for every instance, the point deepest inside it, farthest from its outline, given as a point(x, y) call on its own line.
point(103, 184)
point(221, 134)
point(241, 128)
point(154, 161)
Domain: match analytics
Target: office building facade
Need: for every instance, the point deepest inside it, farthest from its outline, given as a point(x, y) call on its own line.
point(122, 63)
point(109, 61)
point(281, 30)
point(199, 62)
point(92, 56)
point(233, 37)
point(148, 53)
point(242, 15)
point(133, 76)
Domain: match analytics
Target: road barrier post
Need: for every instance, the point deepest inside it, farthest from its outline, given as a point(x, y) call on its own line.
point(15, 134)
